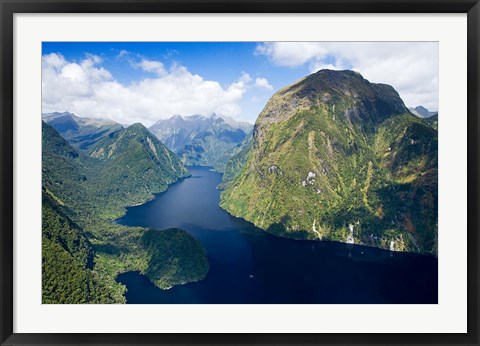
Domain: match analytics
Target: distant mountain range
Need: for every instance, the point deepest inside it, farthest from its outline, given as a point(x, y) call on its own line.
point(422, 112)
point(200, 140)
point(82, 133)
point(197, 140)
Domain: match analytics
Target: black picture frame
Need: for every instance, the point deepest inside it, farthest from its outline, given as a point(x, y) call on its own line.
point(9, 7)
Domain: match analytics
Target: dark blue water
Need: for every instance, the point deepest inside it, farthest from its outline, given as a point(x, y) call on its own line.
point(248, 265)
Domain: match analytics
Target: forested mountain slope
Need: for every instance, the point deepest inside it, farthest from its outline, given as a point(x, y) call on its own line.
point(83, 251)
point(335, 157)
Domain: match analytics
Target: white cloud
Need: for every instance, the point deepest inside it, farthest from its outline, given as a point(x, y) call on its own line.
point(410, 67)
point(245, 77)
point(65, 83)
point(152, 66)
point(261, 82)
point(122, 53)
point(290, 53)
point(87, 89)
point(54, 60)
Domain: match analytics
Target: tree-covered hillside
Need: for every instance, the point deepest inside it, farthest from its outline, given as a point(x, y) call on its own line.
point(336, 157)
point(83, 251)
point(133, 165)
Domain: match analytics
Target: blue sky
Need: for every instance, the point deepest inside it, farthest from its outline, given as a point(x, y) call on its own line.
point(222, 62)
point(143, 82)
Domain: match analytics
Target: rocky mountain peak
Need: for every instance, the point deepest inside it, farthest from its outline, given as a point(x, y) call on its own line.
point(422, 112)
point(344, 93)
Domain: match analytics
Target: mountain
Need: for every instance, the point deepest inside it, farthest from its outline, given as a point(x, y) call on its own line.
point(243, 125)
point(422, 112)
point(65, 172)
point(335, 157)
point(137, 164)
point(82, 133)
point(199, 140)
point(83, 250)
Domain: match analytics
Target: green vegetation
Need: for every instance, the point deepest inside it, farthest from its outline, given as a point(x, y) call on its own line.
point(133, 164)
point(83, 251)
point(237, 161)
point(67, 262)
point(338, 158)
point(432, 121)
point(170, 264)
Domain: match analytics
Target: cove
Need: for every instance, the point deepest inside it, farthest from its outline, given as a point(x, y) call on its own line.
point(248, 265)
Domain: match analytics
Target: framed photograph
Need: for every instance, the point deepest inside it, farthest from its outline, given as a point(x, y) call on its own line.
point(238, 173)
